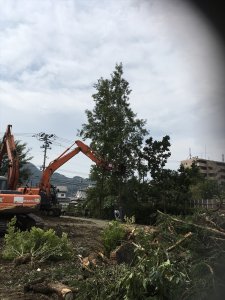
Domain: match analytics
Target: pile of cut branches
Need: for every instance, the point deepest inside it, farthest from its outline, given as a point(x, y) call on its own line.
point(181, 258)
point(196, 246)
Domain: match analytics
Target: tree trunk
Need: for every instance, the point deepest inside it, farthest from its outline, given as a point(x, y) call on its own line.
point(43, 287)
point(61, 289)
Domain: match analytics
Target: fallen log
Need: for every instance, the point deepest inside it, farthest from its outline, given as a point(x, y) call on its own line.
point(61, 290)
point(47, 288)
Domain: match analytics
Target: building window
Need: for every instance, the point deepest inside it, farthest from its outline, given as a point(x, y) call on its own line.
point(203, 168)
point(212, 174)
point(202, 161)
point(221, 164)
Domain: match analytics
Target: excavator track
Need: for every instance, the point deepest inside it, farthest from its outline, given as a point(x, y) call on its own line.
point(39, 222)
point(3, 227)
point(27, 221)
point(24, 222)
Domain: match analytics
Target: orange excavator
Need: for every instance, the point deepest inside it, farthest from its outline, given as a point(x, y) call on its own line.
point(12, 201)
point(49, 203)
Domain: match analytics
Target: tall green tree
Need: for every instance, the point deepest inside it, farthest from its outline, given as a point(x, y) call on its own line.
point(116, 134)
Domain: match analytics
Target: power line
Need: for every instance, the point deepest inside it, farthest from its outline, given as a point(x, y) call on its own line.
point(58, 144)
point(33, 134)
point(64, 140)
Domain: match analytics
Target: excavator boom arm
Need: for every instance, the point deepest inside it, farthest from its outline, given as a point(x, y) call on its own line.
point(90, 153)
point(63, 158)
point(53, 166)
point(9, 147)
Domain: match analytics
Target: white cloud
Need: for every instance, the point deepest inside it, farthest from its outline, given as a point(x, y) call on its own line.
point(54, 51)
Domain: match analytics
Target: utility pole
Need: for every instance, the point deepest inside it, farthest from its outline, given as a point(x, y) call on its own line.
point(47, 141)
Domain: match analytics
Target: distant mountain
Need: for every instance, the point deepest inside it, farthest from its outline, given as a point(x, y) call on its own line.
point(73, 184)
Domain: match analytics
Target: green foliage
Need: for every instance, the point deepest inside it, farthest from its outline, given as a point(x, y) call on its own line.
point(201, 255)
point(112, 235)
point(116, 135)
point(149, 279)
point(41, 245)
point(103, 285)
point(115, 131)
point(165, 268)
point(154, 274)
point(156, 154)
point(171, 190)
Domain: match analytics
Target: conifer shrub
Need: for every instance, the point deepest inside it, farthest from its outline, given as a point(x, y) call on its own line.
point(40, 244)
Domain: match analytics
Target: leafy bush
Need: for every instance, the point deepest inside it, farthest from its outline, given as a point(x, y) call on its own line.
point(112, 236)
point(103, 285)
point(41, 245)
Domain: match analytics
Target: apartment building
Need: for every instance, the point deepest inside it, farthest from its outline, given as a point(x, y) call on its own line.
point(209, 168)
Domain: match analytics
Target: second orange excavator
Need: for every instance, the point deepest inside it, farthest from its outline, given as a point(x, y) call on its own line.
point(12, 201)
point(49, 203)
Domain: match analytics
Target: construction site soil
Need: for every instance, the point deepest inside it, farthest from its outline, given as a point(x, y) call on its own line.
point(85, 236)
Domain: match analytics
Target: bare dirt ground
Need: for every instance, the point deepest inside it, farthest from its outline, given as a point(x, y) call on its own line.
point(85, 235)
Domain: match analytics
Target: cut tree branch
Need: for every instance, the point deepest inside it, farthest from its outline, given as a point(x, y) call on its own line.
point(187, 235)
point(206, 228)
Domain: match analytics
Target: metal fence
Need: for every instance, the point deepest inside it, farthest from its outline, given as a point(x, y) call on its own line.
point(207, 204)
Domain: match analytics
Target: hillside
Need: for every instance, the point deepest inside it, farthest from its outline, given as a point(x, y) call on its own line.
point(73, 184)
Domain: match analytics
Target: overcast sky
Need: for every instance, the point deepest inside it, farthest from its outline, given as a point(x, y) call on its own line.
point(52, 52)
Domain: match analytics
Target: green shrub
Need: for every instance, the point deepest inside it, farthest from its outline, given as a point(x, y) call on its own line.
point(129, 220)
point(112, 236)
point(41, 245)
point(103, 285)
